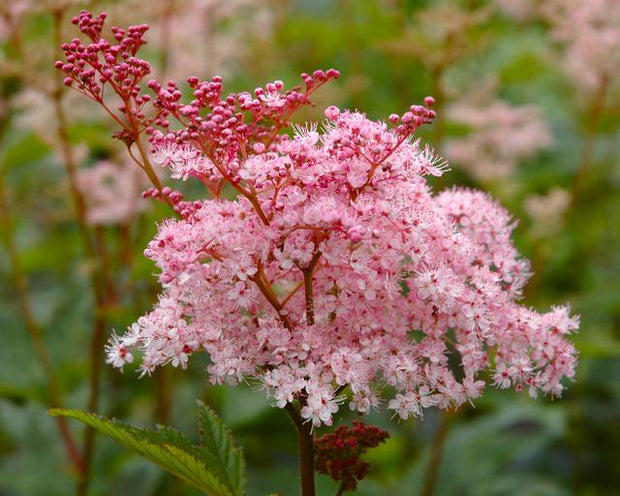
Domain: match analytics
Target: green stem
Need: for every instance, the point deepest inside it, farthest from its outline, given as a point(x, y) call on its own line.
point(595, 113)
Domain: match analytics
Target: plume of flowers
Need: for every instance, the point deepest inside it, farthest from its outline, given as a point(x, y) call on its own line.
point(501, 135)
point(547, 211)
point(334, 271)
point(590, 31)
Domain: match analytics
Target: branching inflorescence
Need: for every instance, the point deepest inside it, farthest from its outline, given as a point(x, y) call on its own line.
point(334, 272)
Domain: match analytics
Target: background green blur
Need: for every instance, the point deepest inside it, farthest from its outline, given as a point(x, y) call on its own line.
point(391, 54)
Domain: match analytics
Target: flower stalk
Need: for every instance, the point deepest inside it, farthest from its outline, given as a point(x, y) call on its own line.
point(305, 450)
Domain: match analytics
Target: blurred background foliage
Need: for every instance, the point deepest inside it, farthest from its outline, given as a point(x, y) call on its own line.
point(528, 110)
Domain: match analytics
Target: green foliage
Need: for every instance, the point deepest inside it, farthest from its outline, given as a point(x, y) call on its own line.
point(219, 452)
point(215, 466)
point(489, 455)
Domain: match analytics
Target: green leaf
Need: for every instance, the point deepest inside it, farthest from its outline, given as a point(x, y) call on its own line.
point(216, 466)
point(219, 451)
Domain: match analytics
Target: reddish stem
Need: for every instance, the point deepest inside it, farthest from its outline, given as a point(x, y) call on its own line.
point(35, 332)
point(433, 465)
point(305, 445)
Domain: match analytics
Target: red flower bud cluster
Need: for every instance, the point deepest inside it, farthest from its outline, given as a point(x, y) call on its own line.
point(227, 128)
point(338, 453)
point(90, 67)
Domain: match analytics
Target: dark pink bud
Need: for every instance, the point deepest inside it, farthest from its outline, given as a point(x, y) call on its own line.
point(407, 118)
point(320, 75)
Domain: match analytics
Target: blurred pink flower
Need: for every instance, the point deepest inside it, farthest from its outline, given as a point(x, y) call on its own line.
point(501, 135)
point(521, 10)
point(200, 37)
point(547, 211)
point(590, 31)
point(111, 192)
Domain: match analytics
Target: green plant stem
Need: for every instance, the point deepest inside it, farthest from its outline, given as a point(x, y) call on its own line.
point(430, 480)
point(305, 445)
point(595, 112)
point(34, 330)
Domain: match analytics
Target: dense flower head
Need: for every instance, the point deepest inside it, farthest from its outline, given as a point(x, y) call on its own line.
point(345, 273)
point(329, 272)
point(100, 63)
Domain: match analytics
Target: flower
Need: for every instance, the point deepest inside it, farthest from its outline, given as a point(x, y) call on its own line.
point(318, 268)
point(501, 136)
point(335, 268)
point(111, 192)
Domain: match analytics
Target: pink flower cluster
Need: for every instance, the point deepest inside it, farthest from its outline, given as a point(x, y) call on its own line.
point(333, 273)
point(590, 30)
point(501, 136)
point(111, 192)
point(347, 272)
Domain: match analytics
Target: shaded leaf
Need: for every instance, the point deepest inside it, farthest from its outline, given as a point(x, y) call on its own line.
point(171, 450)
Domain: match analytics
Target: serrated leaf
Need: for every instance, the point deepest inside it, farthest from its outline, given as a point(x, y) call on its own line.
point(163, 446)
point(219, 450)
